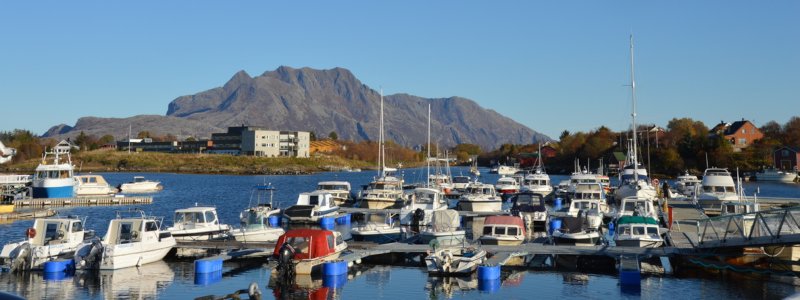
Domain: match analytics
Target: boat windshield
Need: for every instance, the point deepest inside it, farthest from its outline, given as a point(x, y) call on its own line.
point(425, 197)
point(584, 205)
point(459, 179)
point(332, 187)
point(528, 199)
point(188, 217)
point(718, 189)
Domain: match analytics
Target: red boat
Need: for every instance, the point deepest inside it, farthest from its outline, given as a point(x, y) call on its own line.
point(307, 249)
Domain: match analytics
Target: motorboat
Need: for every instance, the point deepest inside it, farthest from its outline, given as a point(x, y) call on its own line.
point(140, 185)
point(507, 185)
point(638, 231)
point(587, 209)
point(255, 225)
point(530, 206)
point(591, 191)
point(633, 206)
point(562, 189)
point(340, 190)
point(130, 241)
point(455, 261)
point(311, 207)
point(460, 183)
point(377, 230)
point(93, 185)
point(480, 197)
point(419, 210)
point(687, 184)
point(198, 223)
point(259, 204)
point(303, 251)
point(53, 177)
point(575, 231)
point(504, 170)
point(49, 239)
point(773, 174)
point(537, 182)
point(717, 187)
point(444, 229)
point(503, 231)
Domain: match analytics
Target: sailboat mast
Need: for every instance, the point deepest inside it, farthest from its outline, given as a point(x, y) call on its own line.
point(428, 158)
point(633, 116)
point(381, 155)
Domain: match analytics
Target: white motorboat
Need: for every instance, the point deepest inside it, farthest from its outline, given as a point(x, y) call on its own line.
point(303, 251)
point(423, 202)
point(531, 208)
point(575, 231)
point(537, 182)
point(460, 183)
point(590, 191)
point(140, 185)
point(377, 230)
point(444, 229)
point(93, 185)
point(638, 231)
point(507, 185)
point(455, 260)
point(504, 170)
point(480, 197)
point(199, 223)
point(311, 207)
point(47, 240)
point(589, 210)
point(687, 184)
point(717, 187)
point(53, 177)
point(340, 190)
point(255, 226)
point(773, 174)
point(503, 231)
point(131, 241)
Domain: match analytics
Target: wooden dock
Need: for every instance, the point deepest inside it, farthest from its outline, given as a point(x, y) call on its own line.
point(25, 215)
point(85, 201)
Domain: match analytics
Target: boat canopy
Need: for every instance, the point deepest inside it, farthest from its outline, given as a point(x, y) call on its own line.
point(636, 220)
point(503, 220)
point(308, 243)
point(445, 220)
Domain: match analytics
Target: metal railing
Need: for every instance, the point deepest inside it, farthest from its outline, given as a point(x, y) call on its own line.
point(777, 226)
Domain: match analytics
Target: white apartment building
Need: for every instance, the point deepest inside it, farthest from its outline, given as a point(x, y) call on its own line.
point(273, 143)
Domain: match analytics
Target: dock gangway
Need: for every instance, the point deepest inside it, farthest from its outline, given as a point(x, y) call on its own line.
point(756, 229)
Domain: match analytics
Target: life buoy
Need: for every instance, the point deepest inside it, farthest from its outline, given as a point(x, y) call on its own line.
point(655, 182)
point(31, 232)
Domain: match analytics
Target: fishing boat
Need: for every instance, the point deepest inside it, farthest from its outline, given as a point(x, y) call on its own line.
point(339, 190)
point(199, 223)
point(530, 206)
point(717, 187)
point(687, 184)
point(48, 239)
point(455, 261)
point(503, 231)
point(311, 207)
point(140, 185)
point(480, 197)
point(638, 231)
point(507, 185)
point(93, 185)
point(129, 241)
point(773, 174)
point(303, 251)
point(444, 229)
point(377, 228)
point(255, 226)
point(53, 177)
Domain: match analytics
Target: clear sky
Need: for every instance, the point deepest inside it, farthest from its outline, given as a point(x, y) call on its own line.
point(551, 65)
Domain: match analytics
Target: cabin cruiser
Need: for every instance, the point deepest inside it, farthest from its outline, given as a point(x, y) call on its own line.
point(303, 251)
point(340, 190)
point(687, 184)
point(93, 185)
point(198, 223)
point(460, 183)
point(507, 185)
point(531, 208)
point(773, 174)
point(455, 261)
point(384, 192)
point(504, 170)
point(379, 229)
point(130, 241)
point(140, 185)
point(480, 197)
point(47, 240)
point(311, 207)
point(633, 206)
point(638, 231)
point(444, 228)
point(717, 187)
point(537, 182)
point(503, 231)
point(581, 225)
point(422, 204)
point(635, 185)
point(591, 191)
point(53, 177)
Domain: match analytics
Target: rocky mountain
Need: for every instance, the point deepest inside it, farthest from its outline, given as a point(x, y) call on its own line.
point(320, 101)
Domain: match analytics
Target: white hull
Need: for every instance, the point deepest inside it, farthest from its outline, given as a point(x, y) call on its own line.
point(135, 254)
point(140, 187)
point(481, 206)
point(201, 234)
point(257, 235)
point(449, 238)
point(782, 177)
point(378, 203)
point(640, 243)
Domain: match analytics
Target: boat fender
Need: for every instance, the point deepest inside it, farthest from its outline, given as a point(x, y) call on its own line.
point(31, 232)
point(638, 187)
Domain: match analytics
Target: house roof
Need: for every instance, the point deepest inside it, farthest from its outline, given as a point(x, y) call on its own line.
point(793, 149)
point(734, 127)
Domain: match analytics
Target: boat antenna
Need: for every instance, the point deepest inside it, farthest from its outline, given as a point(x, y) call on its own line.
point(633, 115)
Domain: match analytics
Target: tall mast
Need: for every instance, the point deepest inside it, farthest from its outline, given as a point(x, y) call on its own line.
point(381, 155)
point(428, 159)
point(633, 116)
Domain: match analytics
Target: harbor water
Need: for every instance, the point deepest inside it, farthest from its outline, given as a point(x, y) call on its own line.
point(175, 279)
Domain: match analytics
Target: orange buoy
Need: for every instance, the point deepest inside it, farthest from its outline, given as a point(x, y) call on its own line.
point(31, 232)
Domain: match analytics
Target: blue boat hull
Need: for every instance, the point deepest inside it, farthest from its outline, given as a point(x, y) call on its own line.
point(53, 192)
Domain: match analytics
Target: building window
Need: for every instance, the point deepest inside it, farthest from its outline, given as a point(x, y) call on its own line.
point(263, 145)
point(785, 153)
point(744, 131)
point(742, 141)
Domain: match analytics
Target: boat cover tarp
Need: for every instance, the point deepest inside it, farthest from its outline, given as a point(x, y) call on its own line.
point(571, 224)
point(445, 220)
point(315, 243)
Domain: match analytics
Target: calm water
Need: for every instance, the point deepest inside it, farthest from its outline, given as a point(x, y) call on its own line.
point(175, 279)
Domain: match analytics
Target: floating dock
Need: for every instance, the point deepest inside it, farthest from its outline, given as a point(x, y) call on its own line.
point(85, 201)
point(24, 215)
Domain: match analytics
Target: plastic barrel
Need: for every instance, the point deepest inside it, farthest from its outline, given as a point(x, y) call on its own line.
point(54, 275)
point(489, 285)
point(207, 278)
point(489, 272)
point(337, 267)
point(207, 265)
point(334, 281)
point(327, 223)
point(274, 221)
point(557, 203)
point(630, 277)
point(61, 265)
point(343, 219)
point(555, 223)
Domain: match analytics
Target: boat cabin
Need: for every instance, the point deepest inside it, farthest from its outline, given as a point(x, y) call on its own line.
point(334, 186)
point(632, 206)
point(637, 226)
point(194, 217)
point(321, 199)
point(588, 191)
point(130, 230)
point(428, 198)
point(506, 228)
point(311, 243)
point(482, 189)
point(52, 231)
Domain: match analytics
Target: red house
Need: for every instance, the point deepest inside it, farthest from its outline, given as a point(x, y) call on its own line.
point(740, 133)
point(787, 158)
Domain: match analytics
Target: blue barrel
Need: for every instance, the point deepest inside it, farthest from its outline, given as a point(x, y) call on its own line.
point(630, 277)
point(327, 223)
point(343, 219)
point(207, 278)
point(557, 203)
point(60, 265)
point(54, 276)
point(489, 272)
point(334, 281)
point(207, 265)
point(611, 228)
point(489, 285)
point(555, 223)
point(336, 267)
point(274, 221)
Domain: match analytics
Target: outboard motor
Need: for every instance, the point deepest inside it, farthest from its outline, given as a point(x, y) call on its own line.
point(88, 257)
point(285, 266)
point(416, 219)
point(21, 258)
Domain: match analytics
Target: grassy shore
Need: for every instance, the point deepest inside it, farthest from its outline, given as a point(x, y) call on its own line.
point(118, 161)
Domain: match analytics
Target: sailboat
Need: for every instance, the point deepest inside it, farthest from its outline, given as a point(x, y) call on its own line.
point(386, 190)
point(633, 179)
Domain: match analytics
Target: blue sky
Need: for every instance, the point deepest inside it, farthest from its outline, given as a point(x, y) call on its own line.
point(550, 65)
